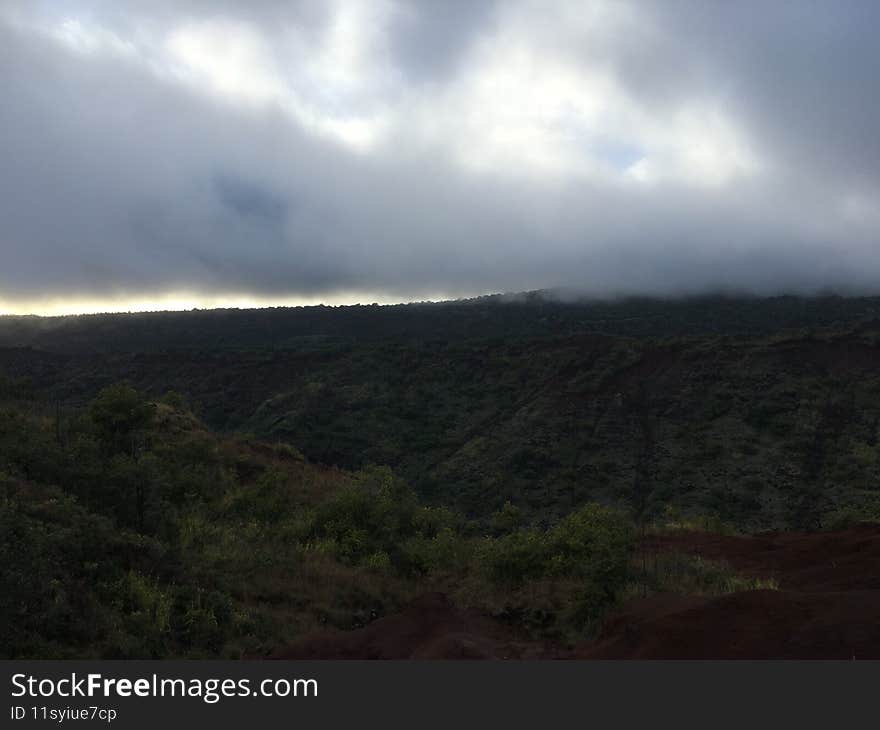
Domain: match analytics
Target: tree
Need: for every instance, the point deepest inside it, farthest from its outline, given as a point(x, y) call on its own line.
point(119, 414)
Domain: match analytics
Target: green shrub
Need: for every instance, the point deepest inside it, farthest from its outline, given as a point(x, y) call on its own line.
point(514, 558)
point(381, 515)
point(592, 543)
point(507, 519)
point(118, 413)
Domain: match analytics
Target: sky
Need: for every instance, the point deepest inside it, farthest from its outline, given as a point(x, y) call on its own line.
point(182, 153)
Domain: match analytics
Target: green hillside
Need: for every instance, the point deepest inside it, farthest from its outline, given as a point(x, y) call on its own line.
point(737, 414)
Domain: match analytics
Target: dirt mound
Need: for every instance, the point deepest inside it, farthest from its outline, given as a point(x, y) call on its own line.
point(828, 607)
point(429, 628)
point(747, 625)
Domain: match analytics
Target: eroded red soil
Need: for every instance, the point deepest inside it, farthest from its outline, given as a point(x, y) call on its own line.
point(828, 605)
point(429, 628)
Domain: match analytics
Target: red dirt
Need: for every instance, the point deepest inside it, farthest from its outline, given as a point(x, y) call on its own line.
point(828, 607)
point(747, 625)
point(429, 628)
point(845, 560)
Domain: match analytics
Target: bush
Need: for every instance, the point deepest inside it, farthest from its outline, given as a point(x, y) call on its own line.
point(514, 558)
point(380, 515)
point(118, 413)
point(507, 519)
point(593, 543)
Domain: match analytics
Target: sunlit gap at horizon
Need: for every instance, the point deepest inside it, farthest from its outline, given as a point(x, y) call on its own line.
point(181, 302)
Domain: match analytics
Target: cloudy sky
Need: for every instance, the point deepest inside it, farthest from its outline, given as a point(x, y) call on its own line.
point(176, 153)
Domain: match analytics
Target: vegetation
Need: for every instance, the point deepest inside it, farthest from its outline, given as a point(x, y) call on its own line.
point(757, 413)
point(691, 575)
point(219, 483)
point(134, 532)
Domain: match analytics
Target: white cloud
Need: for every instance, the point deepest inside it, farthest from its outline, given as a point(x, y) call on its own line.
point(83, 39)
point(229, 58)
point(615, 145)
point(525, 105)
point(234, 61)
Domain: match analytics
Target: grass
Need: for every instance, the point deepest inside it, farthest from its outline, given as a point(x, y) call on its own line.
point(674, 521)
point(691, 575)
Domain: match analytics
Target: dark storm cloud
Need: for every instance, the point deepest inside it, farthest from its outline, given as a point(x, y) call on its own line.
point(308, 149)
point(430, 39)
point(250, 199)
